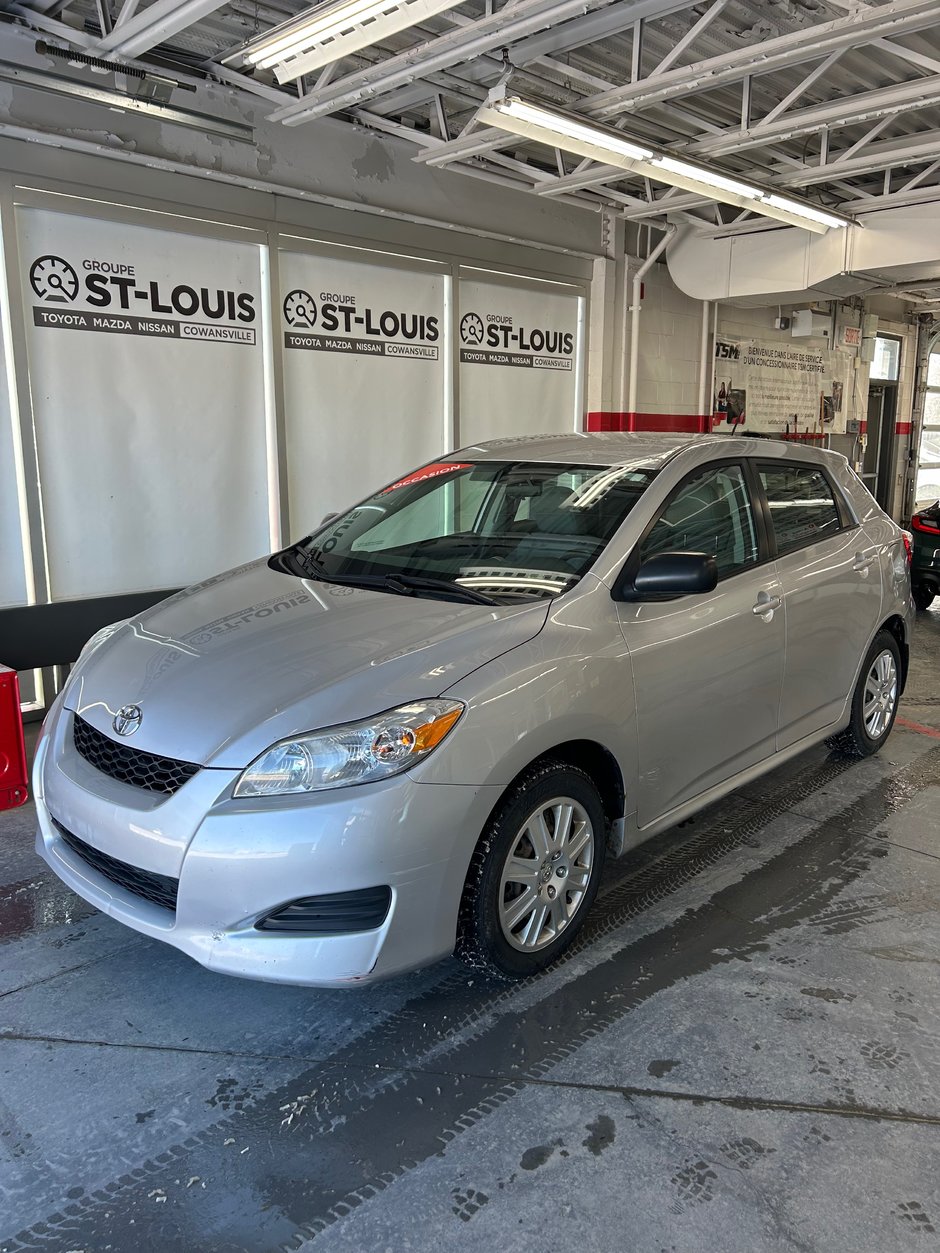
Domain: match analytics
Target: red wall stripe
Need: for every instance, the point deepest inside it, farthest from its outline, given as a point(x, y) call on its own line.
point(693, 423)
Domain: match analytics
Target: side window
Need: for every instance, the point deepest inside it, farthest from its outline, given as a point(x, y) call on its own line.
point(802, 505)
point(711, 513)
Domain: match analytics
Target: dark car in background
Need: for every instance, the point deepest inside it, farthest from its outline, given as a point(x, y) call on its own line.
point(925, 562)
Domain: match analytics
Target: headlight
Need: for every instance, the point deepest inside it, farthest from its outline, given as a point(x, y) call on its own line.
point(99, 638)
point(359, 752)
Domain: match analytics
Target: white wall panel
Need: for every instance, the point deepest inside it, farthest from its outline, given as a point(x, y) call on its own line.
point(365, 376)
point(520, 359)
point(12, 556)
point(148, 396)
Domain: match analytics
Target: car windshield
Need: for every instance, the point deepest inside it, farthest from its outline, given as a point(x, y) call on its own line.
point(489, 531)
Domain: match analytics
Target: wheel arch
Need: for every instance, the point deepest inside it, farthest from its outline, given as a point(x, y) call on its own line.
point(898, 628)
point(598, 762)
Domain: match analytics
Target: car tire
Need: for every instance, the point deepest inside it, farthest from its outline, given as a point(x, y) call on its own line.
point(516, 919)
point(923, 596)
point(875, 700)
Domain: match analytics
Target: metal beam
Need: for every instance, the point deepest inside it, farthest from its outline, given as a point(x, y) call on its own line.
point(867, 138)
point(794, 48)
point(866, 106)
point(583, 178)
point(919, 178)
point(802, 87)
point(503, 29)
point(869, 163)
point(613, 20)
point(690, 36)
point(932, 64)
point(158, 22)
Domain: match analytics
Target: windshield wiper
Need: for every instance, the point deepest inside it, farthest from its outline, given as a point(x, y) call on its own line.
point(399, 584)
point(420, 582)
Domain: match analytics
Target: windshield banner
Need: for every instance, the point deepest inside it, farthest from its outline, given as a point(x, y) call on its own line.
point(520, 353)
point(149, 400)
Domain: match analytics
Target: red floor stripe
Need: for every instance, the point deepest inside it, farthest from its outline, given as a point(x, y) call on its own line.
point(918, 726)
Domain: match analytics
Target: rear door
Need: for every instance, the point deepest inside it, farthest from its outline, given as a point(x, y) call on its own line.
point(707, 669)
point(831, 578)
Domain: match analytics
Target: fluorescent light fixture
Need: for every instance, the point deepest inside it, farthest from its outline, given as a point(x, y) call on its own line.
point(711, 178)
point(602, 143)
point(584, 132)
point(808, 210)
point(331, 31)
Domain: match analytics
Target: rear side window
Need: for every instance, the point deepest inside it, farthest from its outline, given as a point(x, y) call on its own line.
point(802, 506)
point(710, 513)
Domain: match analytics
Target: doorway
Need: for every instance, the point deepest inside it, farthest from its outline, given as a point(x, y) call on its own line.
point(878, 465)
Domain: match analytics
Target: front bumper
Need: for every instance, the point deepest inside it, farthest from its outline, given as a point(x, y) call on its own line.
point(235, 861)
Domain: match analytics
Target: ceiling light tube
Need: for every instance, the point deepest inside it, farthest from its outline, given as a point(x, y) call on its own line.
point(584, 132)
point(711, 178)
point(323, 24)
point(331, 31)
point(603, 144)
point(804, 210)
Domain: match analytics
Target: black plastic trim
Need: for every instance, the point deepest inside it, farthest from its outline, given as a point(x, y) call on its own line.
point(334, 913)
point(158, 889)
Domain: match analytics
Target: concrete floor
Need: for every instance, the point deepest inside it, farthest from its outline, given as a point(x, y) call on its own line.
point(742, 1054)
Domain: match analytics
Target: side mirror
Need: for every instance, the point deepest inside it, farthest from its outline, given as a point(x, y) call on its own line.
point(328, 517)
point(676, 574)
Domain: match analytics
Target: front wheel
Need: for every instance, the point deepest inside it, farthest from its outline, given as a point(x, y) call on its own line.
point(534, 873)
point(875, 702)
point(923, 596)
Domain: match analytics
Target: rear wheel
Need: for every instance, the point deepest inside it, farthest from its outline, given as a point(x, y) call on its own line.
point(875, 702)
point(534, 874)
point(923, 596)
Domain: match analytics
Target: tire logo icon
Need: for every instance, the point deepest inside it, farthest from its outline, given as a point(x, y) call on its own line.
point(471, 329)
point(300, 308)
point(53, 279)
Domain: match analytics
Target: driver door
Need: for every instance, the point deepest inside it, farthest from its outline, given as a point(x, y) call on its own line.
point(707, 669)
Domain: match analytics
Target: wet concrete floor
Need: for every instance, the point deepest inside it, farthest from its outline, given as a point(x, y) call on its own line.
point(743, 1053)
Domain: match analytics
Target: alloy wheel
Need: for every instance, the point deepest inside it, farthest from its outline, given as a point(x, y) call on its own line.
point(546, 874)
point(881, 695)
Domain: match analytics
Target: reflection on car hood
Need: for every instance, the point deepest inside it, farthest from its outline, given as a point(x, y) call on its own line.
point(230, 666)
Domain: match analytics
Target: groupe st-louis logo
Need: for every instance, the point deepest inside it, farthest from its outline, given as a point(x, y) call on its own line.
point(300, 309)
point(471, 329)
point(53, 279)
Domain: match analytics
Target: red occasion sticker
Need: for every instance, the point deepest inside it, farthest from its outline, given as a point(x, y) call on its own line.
point(428, 472)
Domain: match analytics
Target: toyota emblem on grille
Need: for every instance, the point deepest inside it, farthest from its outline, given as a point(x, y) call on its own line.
point(127, 719)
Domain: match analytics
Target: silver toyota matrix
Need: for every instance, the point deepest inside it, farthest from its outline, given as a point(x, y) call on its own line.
point(422, 728)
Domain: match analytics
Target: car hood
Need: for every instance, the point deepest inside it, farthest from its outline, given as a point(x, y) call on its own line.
point(225, 668)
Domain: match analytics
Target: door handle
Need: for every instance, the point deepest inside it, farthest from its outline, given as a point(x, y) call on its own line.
point(864, 559)
point(766, 605)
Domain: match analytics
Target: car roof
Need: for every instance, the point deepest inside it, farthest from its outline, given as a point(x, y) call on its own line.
point(642, 449)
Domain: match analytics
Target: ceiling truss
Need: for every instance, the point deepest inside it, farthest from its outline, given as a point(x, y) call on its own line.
point(838, 100)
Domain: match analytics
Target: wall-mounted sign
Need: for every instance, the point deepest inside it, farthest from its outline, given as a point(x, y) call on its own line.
point(345, 321)
point(127, 296)
point(851, 336)
point(519, 352)
point(356, 424)
point(773, 387)
point(150, 426)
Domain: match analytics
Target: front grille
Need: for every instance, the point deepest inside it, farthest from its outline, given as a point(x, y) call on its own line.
point(336, 913)
point(159, 889)
point(130, 765)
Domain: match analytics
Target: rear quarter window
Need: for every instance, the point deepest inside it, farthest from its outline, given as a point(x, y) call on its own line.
point(803, 506)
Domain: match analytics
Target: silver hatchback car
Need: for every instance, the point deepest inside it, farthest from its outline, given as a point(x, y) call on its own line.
point(422, 728)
